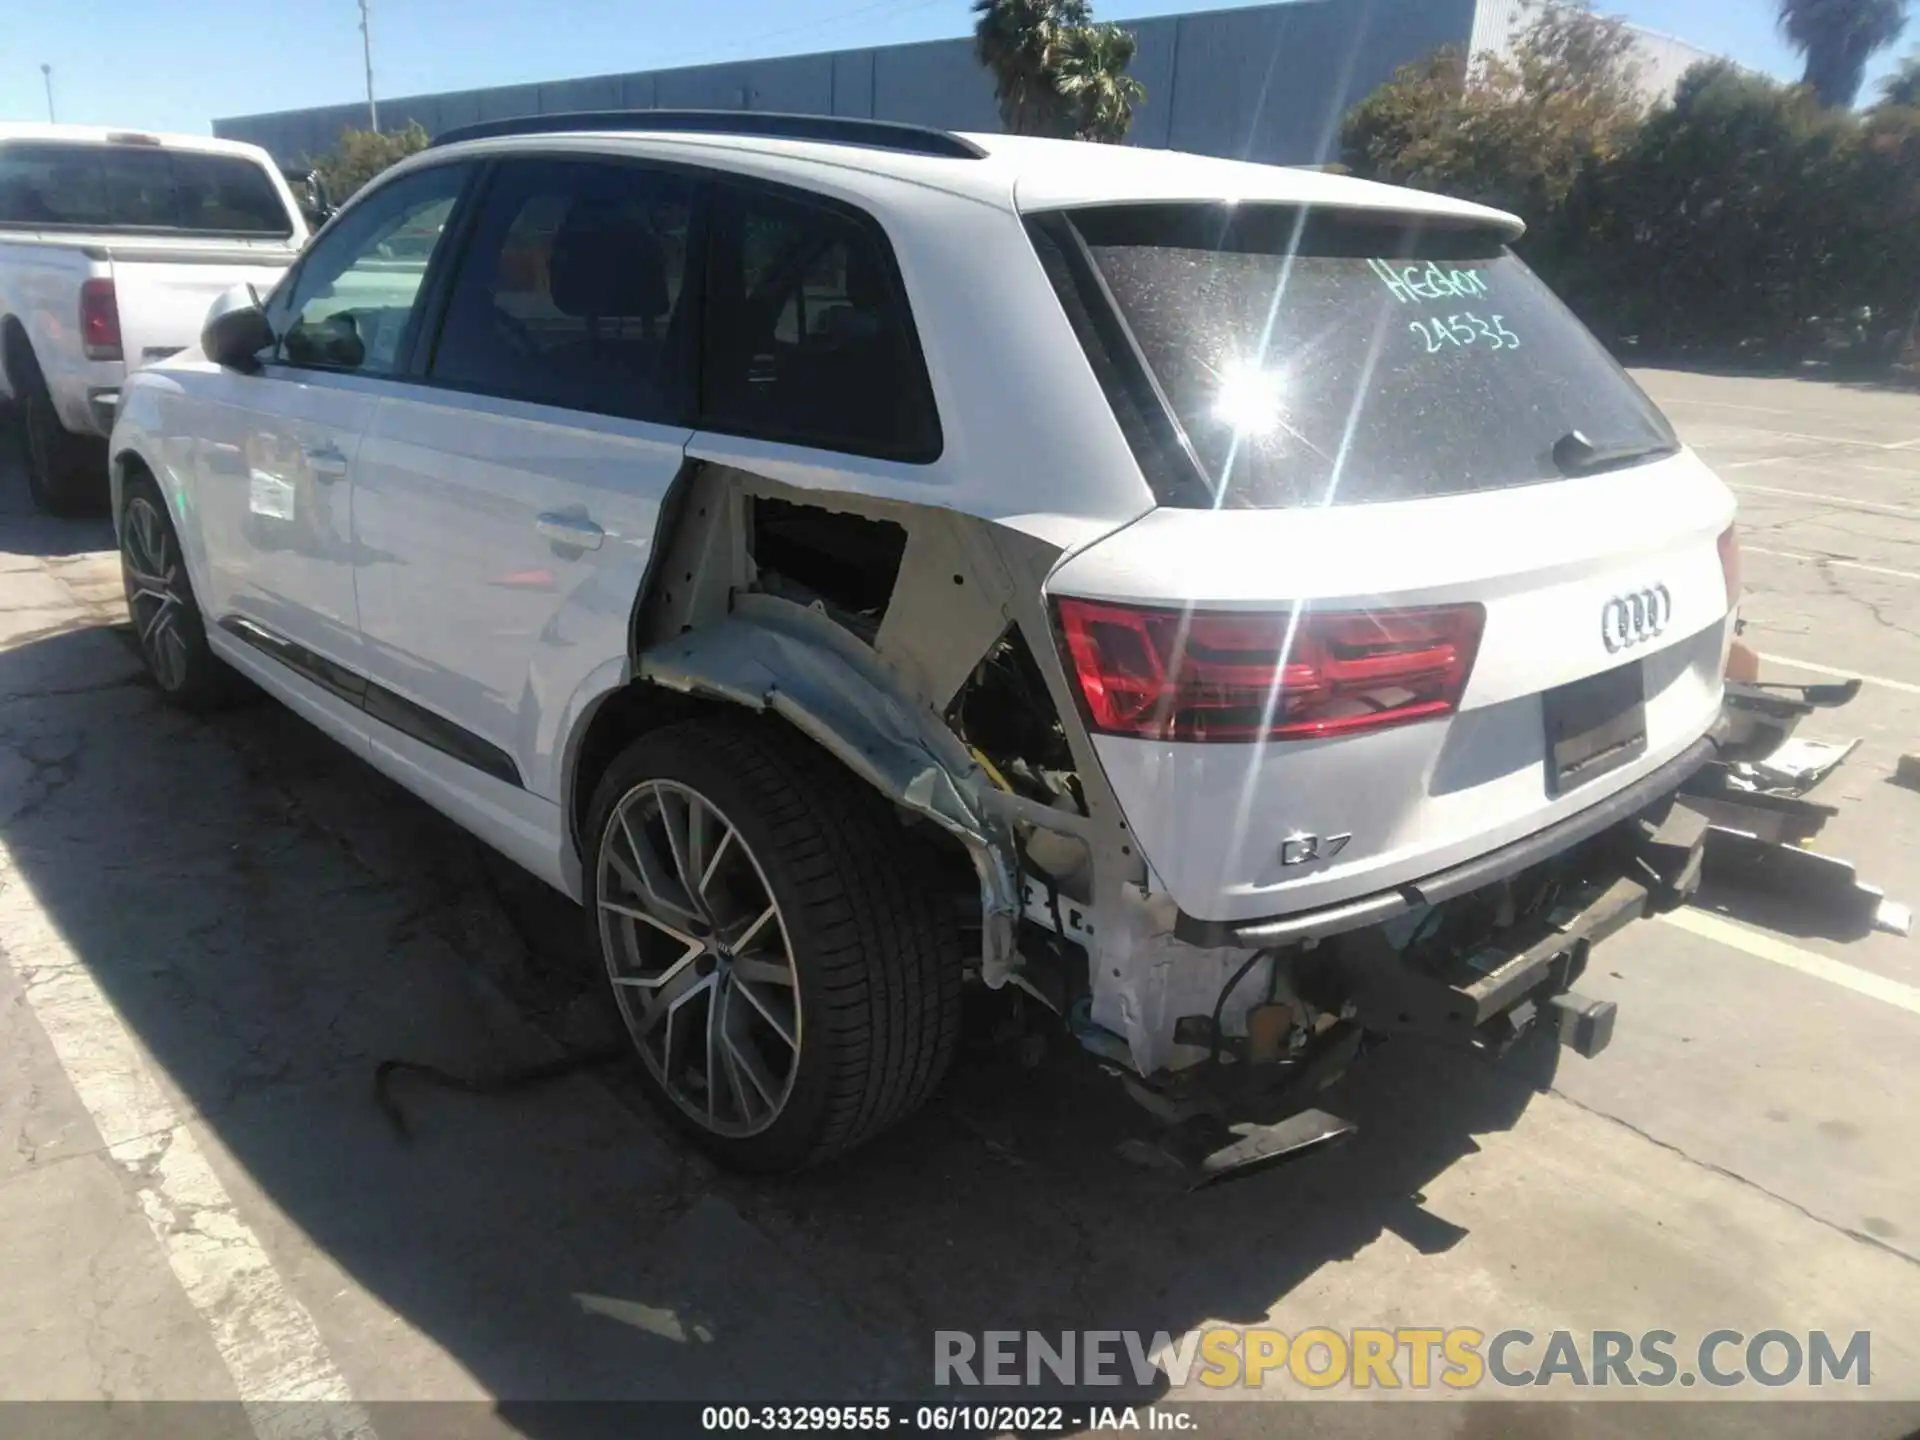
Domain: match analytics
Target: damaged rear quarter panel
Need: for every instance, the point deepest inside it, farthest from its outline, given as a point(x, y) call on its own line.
point(881, 707)
point(707, 628)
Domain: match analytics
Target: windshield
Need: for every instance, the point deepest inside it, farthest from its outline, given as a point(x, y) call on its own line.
point(1332, 358)
point(127, 187)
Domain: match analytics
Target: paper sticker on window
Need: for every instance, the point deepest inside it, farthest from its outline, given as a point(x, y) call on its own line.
point(269, 495)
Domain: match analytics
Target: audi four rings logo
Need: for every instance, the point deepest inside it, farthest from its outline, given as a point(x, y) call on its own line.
point(1635, 618)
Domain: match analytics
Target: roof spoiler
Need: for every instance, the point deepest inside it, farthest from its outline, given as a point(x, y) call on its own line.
point(826, 129)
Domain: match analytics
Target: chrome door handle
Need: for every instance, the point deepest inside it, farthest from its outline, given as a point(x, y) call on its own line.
point(573, 530)
point(326, 462)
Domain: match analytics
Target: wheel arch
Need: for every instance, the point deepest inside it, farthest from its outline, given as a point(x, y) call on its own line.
point(125, 463)
point(797, 667)
point(613, 722)
point(17, 354)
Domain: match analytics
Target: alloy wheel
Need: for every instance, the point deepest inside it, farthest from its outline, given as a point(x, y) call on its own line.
point(156, 591)
point(700, 959)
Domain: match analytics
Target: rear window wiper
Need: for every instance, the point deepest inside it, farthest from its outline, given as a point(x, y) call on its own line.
point(1575, 454)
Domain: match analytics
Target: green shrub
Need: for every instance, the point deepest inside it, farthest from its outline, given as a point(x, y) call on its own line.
point(359, 155)
point(1739, 217)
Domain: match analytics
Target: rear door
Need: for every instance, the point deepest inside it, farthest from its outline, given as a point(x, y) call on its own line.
point(1430, 572)
point(506, 497)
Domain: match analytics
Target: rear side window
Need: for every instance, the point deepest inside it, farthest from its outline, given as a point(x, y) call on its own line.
point(1313, 358)
point(808, 336)
point(138, 187)
point(574, 291)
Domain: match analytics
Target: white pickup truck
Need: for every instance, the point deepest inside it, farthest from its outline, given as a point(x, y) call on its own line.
point(113, 244)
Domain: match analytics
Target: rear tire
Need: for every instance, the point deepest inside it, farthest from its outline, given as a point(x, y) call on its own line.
point(167, 624)
point(852, 1010)
point(66, 473)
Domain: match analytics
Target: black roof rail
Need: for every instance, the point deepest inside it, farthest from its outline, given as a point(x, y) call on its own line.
point(829, 129)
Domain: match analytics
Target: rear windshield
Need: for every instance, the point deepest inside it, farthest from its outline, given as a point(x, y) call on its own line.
point(137, 187)
point(1325, 358)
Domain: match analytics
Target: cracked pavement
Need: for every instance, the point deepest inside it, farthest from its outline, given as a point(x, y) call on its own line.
point(268, 918)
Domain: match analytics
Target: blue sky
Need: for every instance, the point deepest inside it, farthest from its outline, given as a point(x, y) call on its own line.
point(173, 65)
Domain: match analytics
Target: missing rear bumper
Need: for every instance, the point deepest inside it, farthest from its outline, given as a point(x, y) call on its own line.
point(1647, 792)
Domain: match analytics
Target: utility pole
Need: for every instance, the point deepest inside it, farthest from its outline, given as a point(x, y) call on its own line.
point(366, 46)
point(46, 74)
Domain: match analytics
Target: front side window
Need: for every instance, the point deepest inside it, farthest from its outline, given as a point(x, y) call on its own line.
point(355, 300)
point(574, 291)
point(138, 187)
point(1328, 357)
point(808, 336)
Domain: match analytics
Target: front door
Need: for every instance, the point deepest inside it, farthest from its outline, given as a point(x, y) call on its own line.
point(277, 463)
point(505, 502)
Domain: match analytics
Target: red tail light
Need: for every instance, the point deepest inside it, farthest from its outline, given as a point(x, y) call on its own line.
point(1217, 675)
point(99, 320)
point(1730, 564)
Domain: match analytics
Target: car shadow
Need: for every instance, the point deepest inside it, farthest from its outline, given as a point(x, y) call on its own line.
point(1787, 913)
point(24, 531)
point(271, 918)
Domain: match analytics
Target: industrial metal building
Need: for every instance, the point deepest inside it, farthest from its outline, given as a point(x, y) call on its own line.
point(1268, 82)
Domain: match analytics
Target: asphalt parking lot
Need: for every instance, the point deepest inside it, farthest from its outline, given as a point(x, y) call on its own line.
point(213, 930)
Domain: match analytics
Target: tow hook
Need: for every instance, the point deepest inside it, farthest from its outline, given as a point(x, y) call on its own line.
point(1584, 1026)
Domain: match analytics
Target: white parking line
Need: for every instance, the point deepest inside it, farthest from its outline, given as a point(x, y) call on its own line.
point(1807, 962)
point(1717, 404)
point(1832, 560)
point(1877, 505)
point(1905, 471)
point(1847, 440)
point(1795, 434)
point(281, 1370)
point(1763, 460)
point(1880, 680)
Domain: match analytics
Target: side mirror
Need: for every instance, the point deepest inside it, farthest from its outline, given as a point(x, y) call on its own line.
point(311, 195)
point(236, 330)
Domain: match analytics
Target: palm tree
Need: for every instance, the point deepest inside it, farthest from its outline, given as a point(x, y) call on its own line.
point(1091, 77)
point(1018, 40)
point(1055, 72)
point(1838, 37)
point(1902, 87)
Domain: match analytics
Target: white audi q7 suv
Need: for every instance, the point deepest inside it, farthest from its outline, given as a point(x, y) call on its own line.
point(1238, 608)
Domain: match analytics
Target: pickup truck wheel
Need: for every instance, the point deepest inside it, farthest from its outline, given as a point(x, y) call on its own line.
point(66, 473)
point(783, 965)
point(166, 618)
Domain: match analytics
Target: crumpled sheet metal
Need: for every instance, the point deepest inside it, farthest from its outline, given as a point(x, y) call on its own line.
point(775, 656)
point(1144, 980)
point(1793, 769)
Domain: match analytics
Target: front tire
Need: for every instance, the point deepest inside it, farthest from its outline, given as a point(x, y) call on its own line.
point(774, 940)
point(167, 624)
